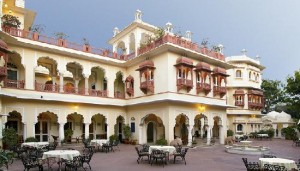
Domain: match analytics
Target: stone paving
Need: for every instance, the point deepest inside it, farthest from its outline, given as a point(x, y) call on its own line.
point(200, 158)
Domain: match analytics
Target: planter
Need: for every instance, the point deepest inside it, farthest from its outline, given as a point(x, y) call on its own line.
point(35, 36)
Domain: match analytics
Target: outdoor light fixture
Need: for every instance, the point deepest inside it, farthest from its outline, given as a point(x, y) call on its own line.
point(201, 108)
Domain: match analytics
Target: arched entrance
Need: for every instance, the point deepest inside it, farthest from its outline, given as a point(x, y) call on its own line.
point(120, 121)
point(153, 129)
point(216, 127)
point(201, 122)
point(180, 129)
point(46, 126)
point(98, 127)
point(75, 123)
point(14, 120)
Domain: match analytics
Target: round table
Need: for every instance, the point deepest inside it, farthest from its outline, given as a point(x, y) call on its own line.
point(288, 164)
point(61, 154)
point(35, 144)
point(169, 149)
point(99, 141)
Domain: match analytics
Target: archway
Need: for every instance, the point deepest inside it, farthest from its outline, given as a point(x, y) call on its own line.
point(180, 129)
point(150, 132)
point(14, 120)
point(98, 127)
point(46, 126)
point(119, 86)
point(152, 129)
point(216, 127)
point(201, 121)
point(118, 127)
point(75, 123)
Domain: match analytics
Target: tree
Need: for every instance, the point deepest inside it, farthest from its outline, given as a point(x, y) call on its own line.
point(293, 94)
point(274, 94)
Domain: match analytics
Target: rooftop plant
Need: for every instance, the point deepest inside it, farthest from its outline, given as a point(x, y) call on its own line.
point(10, 21)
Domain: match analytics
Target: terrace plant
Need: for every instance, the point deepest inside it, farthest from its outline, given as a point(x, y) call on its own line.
point(10, 137)
point(10, 21)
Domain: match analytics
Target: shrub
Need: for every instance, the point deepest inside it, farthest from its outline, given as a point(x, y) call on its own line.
point(127, 131)
point(10, 21)
point(289, 133)
point(229, 133)
point(10, 137)
point(270, 132)
point(31, 139)
point(113, 138)
point(161, 141)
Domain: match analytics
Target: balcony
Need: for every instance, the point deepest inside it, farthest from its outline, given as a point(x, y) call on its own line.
point(147, 86)
point(98, 93)
point(47, 87)
point(255, 106)
point(219, 90)
point(17, 84)
point(129, 91)
point(239, 103)
point(73, 90)
point(183, 83)
point(203, 87)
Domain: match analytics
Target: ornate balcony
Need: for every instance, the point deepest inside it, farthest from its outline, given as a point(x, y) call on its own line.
point(119, 95)
point(18, 84)
point(219, 90)
point(184, 83)
point(73, 90)
point(255, 106)
point(147, 86)
point(47, 87)
point(98, 93)
point(203, 87)
point(239, 103)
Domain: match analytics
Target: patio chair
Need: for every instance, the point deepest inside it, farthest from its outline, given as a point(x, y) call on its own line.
point(52, 146)
point(115, 144)
point(268, 156)
point(74, 164)
point(181, 154)
point(141, 154)
point(158, 155)
point(145, 148)
point(18, 150)
point(31, 162)
point(88, 147)
point(245, 161)
point(106, 147)
point(86, 158)
point(279, 168)
point(253, 166)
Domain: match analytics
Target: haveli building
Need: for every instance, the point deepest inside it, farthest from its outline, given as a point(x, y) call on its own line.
point(162, 85)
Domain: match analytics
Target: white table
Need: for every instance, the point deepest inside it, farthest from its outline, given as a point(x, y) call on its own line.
point(35, 144)
point(263, 135)
point(99, 142)
point(61, 154)
point(288, 164)
point(169, 149)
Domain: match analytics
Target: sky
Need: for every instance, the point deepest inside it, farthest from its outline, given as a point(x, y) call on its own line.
point(268, 28)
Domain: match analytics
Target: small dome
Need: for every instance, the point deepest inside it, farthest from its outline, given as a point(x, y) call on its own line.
point(219, 70)
point(203, 66)
point(256, 92)
point(129, 78)
point(146, 63)
point(184, 60)
point(239, 91)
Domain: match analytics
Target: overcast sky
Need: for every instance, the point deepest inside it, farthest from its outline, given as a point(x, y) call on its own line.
point(268, 28)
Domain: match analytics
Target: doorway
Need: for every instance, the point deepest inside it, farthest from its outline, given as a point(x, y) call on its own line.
point(150, 132)
point(41, 131)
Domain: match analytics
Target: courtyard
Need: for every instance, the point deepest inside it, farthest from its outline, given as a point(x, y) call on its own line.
point(201, 157)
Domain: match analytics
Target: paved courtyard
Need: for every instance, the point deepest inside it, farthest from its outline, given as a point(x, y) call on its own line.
point(205, 158)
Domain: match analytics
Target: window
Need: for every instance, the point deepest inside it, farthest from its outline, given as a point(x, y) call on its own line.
point(238, 74)
point(179, 73)
point(132, 127)
point(68, 125)
point(198, 77)
point(104, 84)
point(239, 127)
point(93, 87)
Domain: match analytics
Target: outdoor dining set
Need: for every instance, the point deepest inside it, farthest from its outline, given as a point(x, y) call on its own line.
point(160, 154)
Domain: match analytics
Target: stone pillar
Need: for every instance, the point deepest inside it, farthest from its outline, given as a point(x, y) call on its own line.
point(87, 130)
point(61, 83)
point(190, 136)
point(61, 133)
point(275, 127)
point(33, 129)
point(86, 85)
point(24, 131)
point(208, 134)
point(107, 132)
point(221, 134)
point(76, 85)
point(202, 127)
point(140, 135)
point(53, 83)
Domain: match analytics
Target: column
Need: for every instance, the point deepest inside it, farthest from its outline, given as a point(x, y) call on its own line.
point(107, 132)
point(190, 136)
point(87, 130)
point(53, 83)
point(202, 127)
point(275, 128)
point(86, 85)
point(61, 133)
point(76, 85)
point(208, 135)
point(24, 131)
point(61, 83)
point(140, 135)
point(33, 129)
point(221, 134)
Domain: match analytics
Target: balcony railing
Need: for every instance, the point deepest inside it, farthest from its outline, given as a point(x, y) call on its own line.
point(130, 91)
point(119, 95)
point(254, 105)
point(47, 87)
point(184, 81)
point(147, 84)
point(219, 90)
point(203, 87)
point(98, 93)
point(239, 103)
point(18, 84)
point(73, 90)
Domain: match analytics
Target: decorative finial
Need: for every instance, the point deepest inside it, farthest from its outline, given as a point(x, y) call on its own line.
point(138, 15)
point(244, 51)
point(169, 27)
point(257, 57)
point(188, 35)
point(116, 31)
point(221, 48)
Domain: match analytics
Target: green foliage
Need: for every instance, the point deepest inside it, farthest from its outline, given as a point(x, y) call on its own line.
point(274, 94)
point(127, 131)
point(293, 93)
point(289, 133)
point(270, 132)
point(31, 139)
point(37, 28)
point(60, 35)
point(68, 134)
point(161, 141)
point(10, 21)
point(229, 133)
point(113, 137)
point(10, 137)
point(6, 158)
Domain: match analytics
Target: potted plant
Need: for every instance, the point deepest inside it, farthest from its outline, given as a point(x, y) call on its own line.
point(10, 137)
point(10, 21)
point(31, 139)
point(36, 29)
point(127, 133)
point(68, 135)
point(113, 137)
point(86, 45)
point(61, 37)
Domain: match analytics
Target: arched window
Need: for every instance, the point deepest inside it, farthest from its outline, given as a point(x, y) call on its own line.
point(238, 74)
point(239, 127)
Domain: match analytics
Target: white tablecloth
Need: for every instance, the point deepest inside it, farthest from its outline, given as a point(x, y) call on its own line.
point(170, 149)
point(262, 135)
point(61, 154)
point(99, 141)
point(289, 164)
point(35, 144)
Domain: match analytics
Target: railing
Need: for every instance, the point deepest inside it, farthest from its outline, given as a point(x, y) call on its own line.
point(184, 81)
point(239, 103)
point(47, 87)
point(221, 90)
point(255, 105)
point(18, 84)
point(98, 93)
point(129, 91)
point(204, 86)
point(147, 84)
point(73, 90)
point(119, 95)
